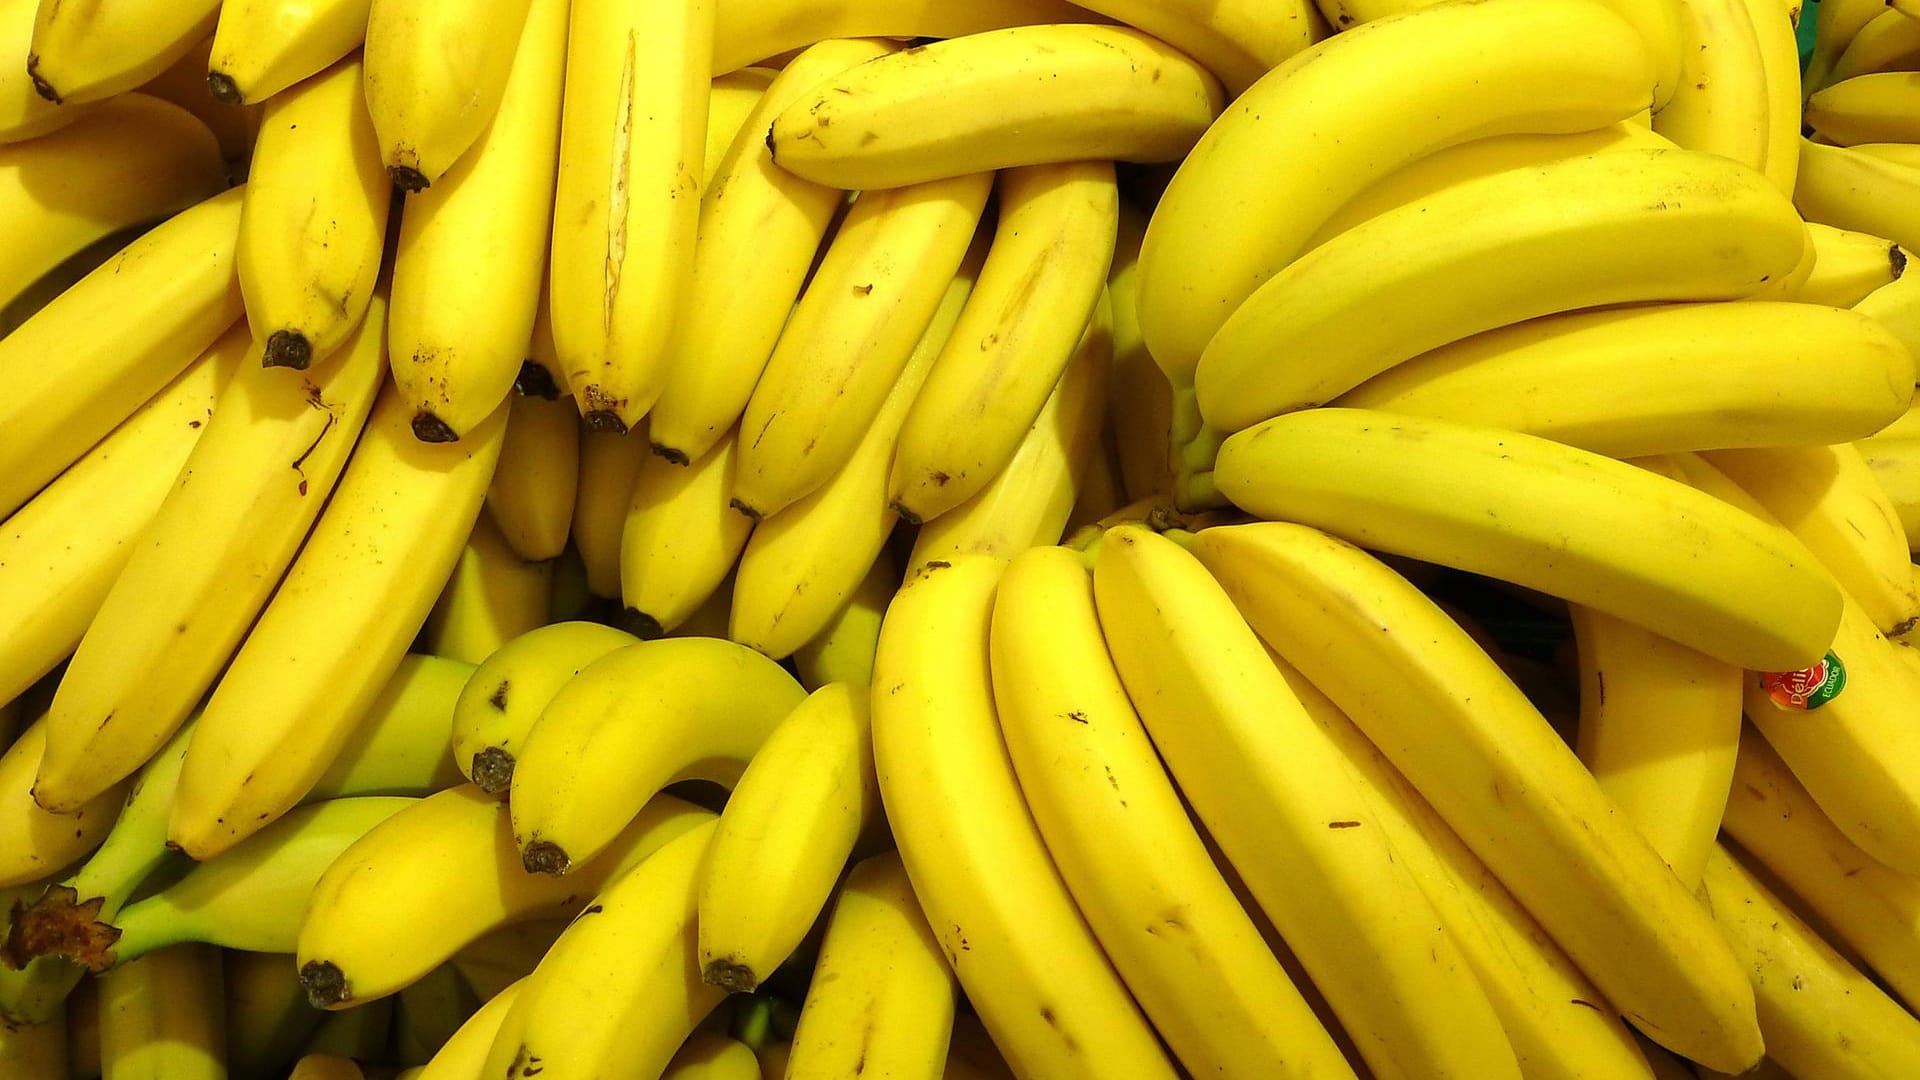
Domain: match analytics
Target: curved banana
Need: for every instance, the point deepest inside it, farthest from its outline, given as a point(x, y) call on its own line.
point(206, 565)
point(1878, 107)
point(24, 114)
point(470, 259)
point(1237, 41)
point(316, 217)
point(163, 1016)
point(261, 47)
point(1340, 115)
point(1836, 24)
point(287, 704)
point(86, 52)
point(856, 330)
point(436, 74)
point(492, 597)
point(1681, 376)
point(882, 996)
point(1649, 550)
point(1721, 105)
point(1848, 189)
point(268, 1018)
point(588, 766)
point(440, 874)
point(843, 650)
point(784, 837)
point(1891, 42)
point(603, 493)
point(404, 742)
point(1044, 275)
point(681, 536)
point(981, 871)
point(61, 553)
point(33, 842)
point(626, 205)
point(1495, 771)
point(133, 160)
point(507, 692)
point(1648, 225)
point(750, 30)
point(122, 333)
point(531, 496)
point(464, 1054)
point(1136, 867)
point(759, 231)
point(1026, 95)
point(1848, 266)
point(1776, 37)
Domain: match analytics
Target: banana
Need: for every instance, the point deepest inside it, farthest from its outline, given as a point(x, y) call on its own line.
point(1679, 376)
point(759, 230)
point(793, 819)
point(1895, 463)
point(882, 997)
point(436, 76)
point(1891, 42)
point(709, 1056)
point(1649, 224)
point(206, 565)
point(626, 206)
point(843, 650)
point(234, 126)
point(730, 101)
point(1650, 549)
point(493, 597)
point(86, 52)
point(586, 768)
point(268, 1019)
point(34, 1051)
point(506, 694)
point(1721, 105)
point(1025, 95)
point(506, 955)
point(1043, 277)
point(1340, 115)
point(1879, 107)
point(681, 537)
point(1119, 834)
point(1029, 501)
point(1659, 724)
point(802, 564)
point(437, 876)
point(122, 333)
point(1774, 34)
point(33, 842)
point(531, 496)
point(61, 553)
point(368, 574)
point(1849, 189)
point(24, 114)
point(1238, 42)
point(261, 47)
point(608, 471)
point(1905, 7)
point(854, 333)
point(1848, 266)
point(427, 1013)
point(982, 874)
point(1836, 24)
point(316, 215)
point(134, 160)
point(1139, 397)
point(1483, 756)
point(163, 1016)
point(621, 990)
point(325, 1066)
point(750, 30)
point(468, 266)
point(464, 1054)
point(1821, 1016)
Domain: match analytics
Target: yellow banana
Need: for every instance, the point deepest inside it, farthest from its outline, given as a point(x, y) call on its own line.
point(1836, 24)
point(707, 1055)
point(750, 30)
point(38, 843)
point(404, 744)
point(85, 52)
point(234, 126)
point(1895, 463)
point(1721, 105)
point(1848, 266)
point(163, 1016)
point(730, 101)
point(1139, 399)
point(586, 768)
point(1849, 189)
point(506, 955)
point(326, 1066)
point(261, 47)
point(369, 573)
point(1891, 42)
point(463, 1055)
point(24, 114)
point(203, 569)
point(681, 537)
point(531, 497)
point(1238, 42)
point(881, 999)
point(493, 597)
point(268, 1019)
point(843, 650)
point(469, 263)
point(436, 73)
point(512, 686)
point(626, 206)
point(1879, 107)
point(1025, 95)
point(603, 493)
point(34, 1051)
point(122, 333)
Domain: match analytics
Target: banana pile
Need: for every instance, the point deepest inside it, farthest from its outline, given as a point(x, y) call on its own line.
point(742, 539)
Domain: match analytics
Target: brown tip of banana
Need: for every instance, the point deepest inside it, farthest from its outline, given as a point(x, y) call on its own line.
point(224, 89)
point(1898, 258)
point(493, 770)
point(325, 984)
point(429, 428)
point(677, 457)
point(407, 178)
point(288, 348)
point(728, 975)
point(641, 625)
point(545, 857)
point(41, 86)
point(535, 380)
point(752, 514)
point(906, 515)
point(606, 420)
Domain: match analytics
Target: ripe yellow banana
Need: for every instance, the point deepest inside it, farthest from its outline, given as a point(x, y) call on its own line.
point(1003, 917)
point(134, 160)
point(512, 686)
point(626, 205)
point(203, 569)
point(855, 331)
point(531, 497)
point(708, 1055)
point(1679, 377)
point(1238, 41)
point(1140, 405)
point(1469, 742)
point(163, 1016)
point(437, 876)
point(681, 536)
point(1836, 24)
point(1849, 189)
point(730, 101)
point(1650, 549)
point(492, 597)
point(1044, 274)
point(404, 744)
point(464, 1054)
point(436, 72)
point(1135, 865)
point(61, 553)
point(784, 838)
point(1647, 224)
point(587, 767)
point(1891, 42)
point(843, 650)
point(760, 227)
point(1895, 463)
point(1026, 95)
point(33, 842)
point(1721, 105)
point(1775, 35)
point(368, 574)
point(882, 996)
point(122, 333)
point(1879, 107)
point(268, 1018)
point(609, 467)
point(1848, 266)
point(24, 114)
point(85, 52)
point(261, 47)
point(1331, 120)
point(750, 30)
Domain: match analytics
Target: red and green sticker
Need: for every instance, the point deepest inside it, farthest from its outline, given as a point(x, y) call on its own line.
point(1808, 688)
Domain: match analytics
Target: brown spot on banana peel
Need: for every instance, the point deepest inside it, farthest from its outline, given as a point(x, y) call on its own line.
point(730, 975)
point(326, 985)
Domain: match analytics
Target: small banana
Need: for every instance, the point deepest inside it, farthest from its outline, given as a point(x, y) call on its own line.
point(85, 52)
point(436, 71)
point(163, 1016)
point(1848, 266)
point(1851, 189)
point(681, 536)
point(1238, 41)
point(1721, 105)
point(1891, 42)
point(1836, 24)
point(843, 650)
point(1883, 107)
point(531, 496)
point(508, 691)
point(744, 33)
point(493, 597)
point(1140, 404)
point(261, 47)
point(609, 467)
